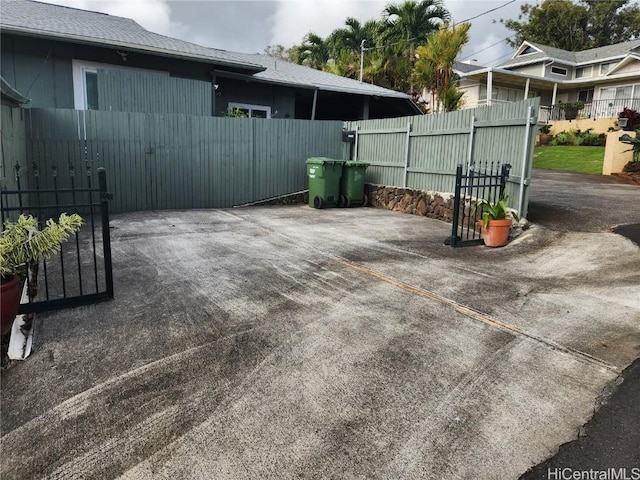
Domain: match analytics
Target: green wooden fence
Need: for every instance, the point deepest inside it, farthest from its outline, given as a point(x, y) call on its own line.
point(156, 161)
point(164, 161)
point(423, 152)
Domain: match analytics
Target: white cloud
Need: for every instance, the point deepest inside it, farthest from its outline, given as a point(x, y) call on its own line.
point(154, 15)
point(295, 18)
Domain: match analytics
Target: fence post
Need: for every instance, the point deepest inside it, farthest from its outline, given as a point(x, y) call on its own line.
point(406, 155)
point(525, 157)
point(472, 132)
point(504, 176)
point(456, 206)
point(106, 234)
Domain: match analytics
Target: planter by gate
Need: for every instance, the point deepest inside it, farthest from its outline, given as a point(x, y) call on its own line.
point(352, 184)
point(324, 181)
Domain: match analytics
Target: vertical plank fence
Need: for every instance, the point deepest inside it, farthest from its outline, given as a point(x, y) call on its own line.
point(423, 152)
point(162, 161)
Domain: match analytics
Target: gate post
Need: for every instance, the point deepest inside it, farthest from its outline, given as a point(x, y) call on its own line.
point(456, 206)
point(106, 234)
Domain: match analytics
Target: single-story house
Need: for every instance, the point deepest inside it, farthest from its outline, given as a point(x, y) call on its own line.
point(605, 79)
point(62, 57)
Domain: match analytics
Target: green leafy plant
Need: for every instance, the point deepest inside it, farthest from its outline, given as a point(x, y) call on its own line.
point(578, 137)
point(21, 241)
point(234, 113)
point(632, 116)
point(545, 129)
point(635, 145)
point(497, 210)
point(572, 106)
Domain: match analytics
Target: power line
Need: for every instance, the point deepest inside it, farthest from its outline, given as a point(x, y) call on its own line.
point(495, 59)
point(488, 11)
point(487, 48)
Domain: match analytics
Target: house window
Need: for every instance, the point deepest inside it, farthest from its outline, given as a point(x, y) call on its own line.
point(559, 71)
point(91, 89)
point(505, 95)
point(528, 51)
point(585, 96)
point(85, 82)
point(252, 111)
point(605, 67)
point(582, 72)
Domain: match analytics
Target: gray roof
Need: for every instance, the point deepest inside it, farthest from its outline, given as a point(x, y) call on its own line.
point(617, 50)
point(591, 55)
point(285, 73)
point(42, 19)
point(466, 67)
point(54, 21)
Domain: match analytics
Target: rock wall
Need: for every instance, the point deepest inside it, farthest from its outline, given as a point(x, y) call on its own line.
point(416, 202)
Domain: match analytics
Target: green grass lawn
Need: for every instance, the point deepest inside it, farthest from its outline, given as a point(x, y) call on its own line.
point(570, 159)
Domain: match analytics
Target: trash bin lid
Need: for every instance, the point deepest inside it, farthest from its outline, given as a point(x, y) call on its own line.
point(356, 164)
point(322, 160)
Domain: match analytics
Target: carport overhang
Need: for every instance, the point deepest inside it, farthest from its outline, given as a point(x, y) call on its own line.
point(528, 82)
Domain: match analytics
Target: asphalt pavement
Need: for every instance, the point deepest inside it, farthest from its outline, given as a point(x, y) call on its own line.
point(288, 342)
point(610, 441)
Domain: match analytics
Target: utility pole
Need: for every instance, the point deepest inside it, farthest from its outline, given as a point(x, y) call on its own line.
point(362, 58)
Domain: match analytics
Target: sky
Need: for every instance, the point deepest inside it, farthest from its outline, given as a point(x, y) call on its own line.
point(251, 25)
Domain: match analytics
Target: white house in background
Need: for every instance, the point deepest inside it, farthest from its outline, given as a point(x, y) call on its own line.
point(605, 79)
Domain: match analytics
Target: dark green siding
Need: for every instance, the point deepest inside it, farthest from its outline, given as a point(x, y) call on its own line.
point(121, 91)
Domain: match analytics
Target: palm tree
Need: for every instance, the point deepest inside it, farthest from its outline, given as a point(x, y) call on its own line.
point(410, 23)
point(314, 51)
point(434, 67)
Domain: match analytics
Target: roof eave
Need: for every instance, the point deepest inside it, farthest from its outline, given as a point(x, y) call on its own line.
point(308, 86)
point(11, 93)
point(254, 68)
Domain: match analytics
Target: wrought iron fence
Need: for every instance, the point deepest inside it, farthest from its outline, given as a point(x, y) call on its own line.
point(82, 272)
point(593, 110)
point(480, 181)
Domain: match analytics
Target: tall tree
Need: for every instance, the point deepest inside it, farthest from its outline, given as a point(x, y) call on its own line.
point(434, 67)
point(575, 26)
point(314, 51)
point(410, 23)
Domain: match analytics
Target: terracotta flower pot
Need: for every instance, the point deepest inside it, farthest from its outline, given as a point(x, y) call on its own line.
point(9, 302)
point(496, 233)
point(545, 138)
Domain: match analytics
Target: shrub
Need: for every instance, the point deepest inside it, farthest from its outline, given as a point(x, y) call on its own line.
point(578, 137)
point(632, 116)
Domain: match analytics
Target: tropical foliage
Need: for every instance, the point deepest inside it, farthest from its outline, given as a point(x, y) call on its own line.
point(575, 25)
point(23, 242)
point(434, 67)
point(496, 210)
point(391, 45)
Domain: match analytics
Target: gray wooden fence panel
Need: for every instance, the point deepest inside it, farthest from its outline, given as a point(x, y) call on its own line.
point(438, 143)
point(12, 151)
point(163, 161)
point(123, 91)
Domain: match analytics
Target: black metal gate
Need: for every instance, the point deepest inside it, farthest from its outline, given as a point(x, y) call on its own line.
point(482, 180)
point(81, 273)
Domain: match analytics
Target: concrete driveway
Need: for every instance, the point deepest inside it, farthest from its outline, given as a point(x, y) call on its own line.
point(287, 342)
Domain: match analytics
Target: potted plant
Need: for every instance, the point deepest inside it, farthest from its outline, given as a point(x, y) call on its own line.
point(545, 134)
point(20, 243)
point(496, 221)
point(571, 109)
point(628, 119)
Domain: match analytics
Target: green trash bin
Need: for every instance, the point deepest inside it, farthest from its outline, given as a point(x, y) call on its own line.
point(352, 184)
point(324, 181)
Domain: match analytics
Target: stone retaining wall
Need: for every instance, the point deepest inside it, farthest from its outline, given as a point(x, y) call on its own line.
point(430, 204)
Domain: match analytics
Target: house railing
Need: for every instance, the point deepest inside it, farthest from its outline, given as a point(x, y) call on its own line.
point(593, 110)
